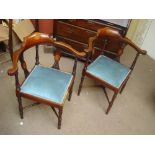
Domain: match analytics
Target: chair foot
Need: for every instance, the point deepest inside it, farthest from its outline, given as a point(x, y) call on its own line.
point(111, 103)
point(70, 95)
point(79, 91)
point(60, 117)
point(80, 86)
point(70, 92)
point(108, 109)
point(21, 115)
point(20, 107)
point(122, 88)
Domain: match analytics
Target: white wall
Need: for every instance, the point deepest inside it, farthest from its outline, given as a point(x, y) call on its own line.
point(149, 40)
point(142, 32)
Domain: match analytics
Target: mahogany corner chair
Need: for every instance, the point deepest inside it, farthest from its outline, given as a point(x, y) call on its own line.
point(109, 73)
point(44, 85)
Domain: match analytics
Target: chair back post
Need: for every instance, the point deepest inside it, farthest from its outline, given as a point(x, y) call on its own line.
point(74, 74)
point(23, 65)
point(89, 54)
point(37, 55)
point(74, 67)
point(120, 51)
point(90, 48)
point(105, 43)
point(134, 61)
point(17, 82)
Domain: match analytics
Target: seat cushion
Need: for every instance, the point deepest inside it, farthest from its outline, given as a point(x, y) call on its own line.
point(47, 83)
point(109, 71)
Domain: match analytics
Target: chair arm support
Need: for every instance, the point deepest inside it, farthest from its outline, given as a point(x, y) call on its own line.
point(90, 44)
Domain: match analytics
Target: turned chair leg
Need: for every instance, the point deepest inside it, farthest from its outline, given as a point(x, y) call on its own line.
point(70, 93)
point(111, 102)
point(123, 87)
point(81, 84)
point(20, 107)
point(60, 117)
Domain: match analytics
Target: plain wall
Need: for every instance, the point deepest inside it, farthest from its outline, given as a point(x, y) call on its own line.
point(149, 41)
point(142, 33)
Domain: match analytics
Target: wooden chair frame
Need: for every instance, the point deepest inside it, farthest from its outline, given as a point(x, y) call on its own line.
point(36, 39)
point(105, 34)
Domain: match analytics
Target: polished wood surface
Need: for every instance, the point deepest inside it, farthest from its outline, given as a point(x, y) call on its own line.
point(77, 32)
point(72, 32)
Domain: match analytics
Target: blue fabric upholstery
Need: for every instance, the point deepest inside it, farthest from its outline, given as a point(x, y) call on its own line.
point(47, 83)
point(108, 70)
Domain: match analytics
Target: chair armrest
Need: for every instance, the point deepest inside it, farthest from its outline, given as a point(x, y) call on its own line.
point(140, 51)
point(12, 71)
point(15, 59)
point(69, 48)
point(144, 52)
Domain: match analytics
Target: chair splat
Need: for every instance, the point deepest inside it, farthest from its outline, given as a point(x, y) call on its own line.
point(57, 56)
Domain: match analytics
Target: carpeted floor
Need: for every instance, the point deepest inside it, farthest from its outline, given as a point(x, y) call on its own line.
point(133, 111)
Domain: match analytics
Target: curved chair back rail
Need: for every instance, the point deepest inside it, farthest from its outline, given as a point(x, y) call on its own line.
point(111, 36)
point(35, 39)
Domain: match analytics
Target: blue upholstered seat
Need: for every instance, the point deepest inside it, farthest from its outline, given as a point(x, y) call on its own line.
point(109, 71)
point(47, 83)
